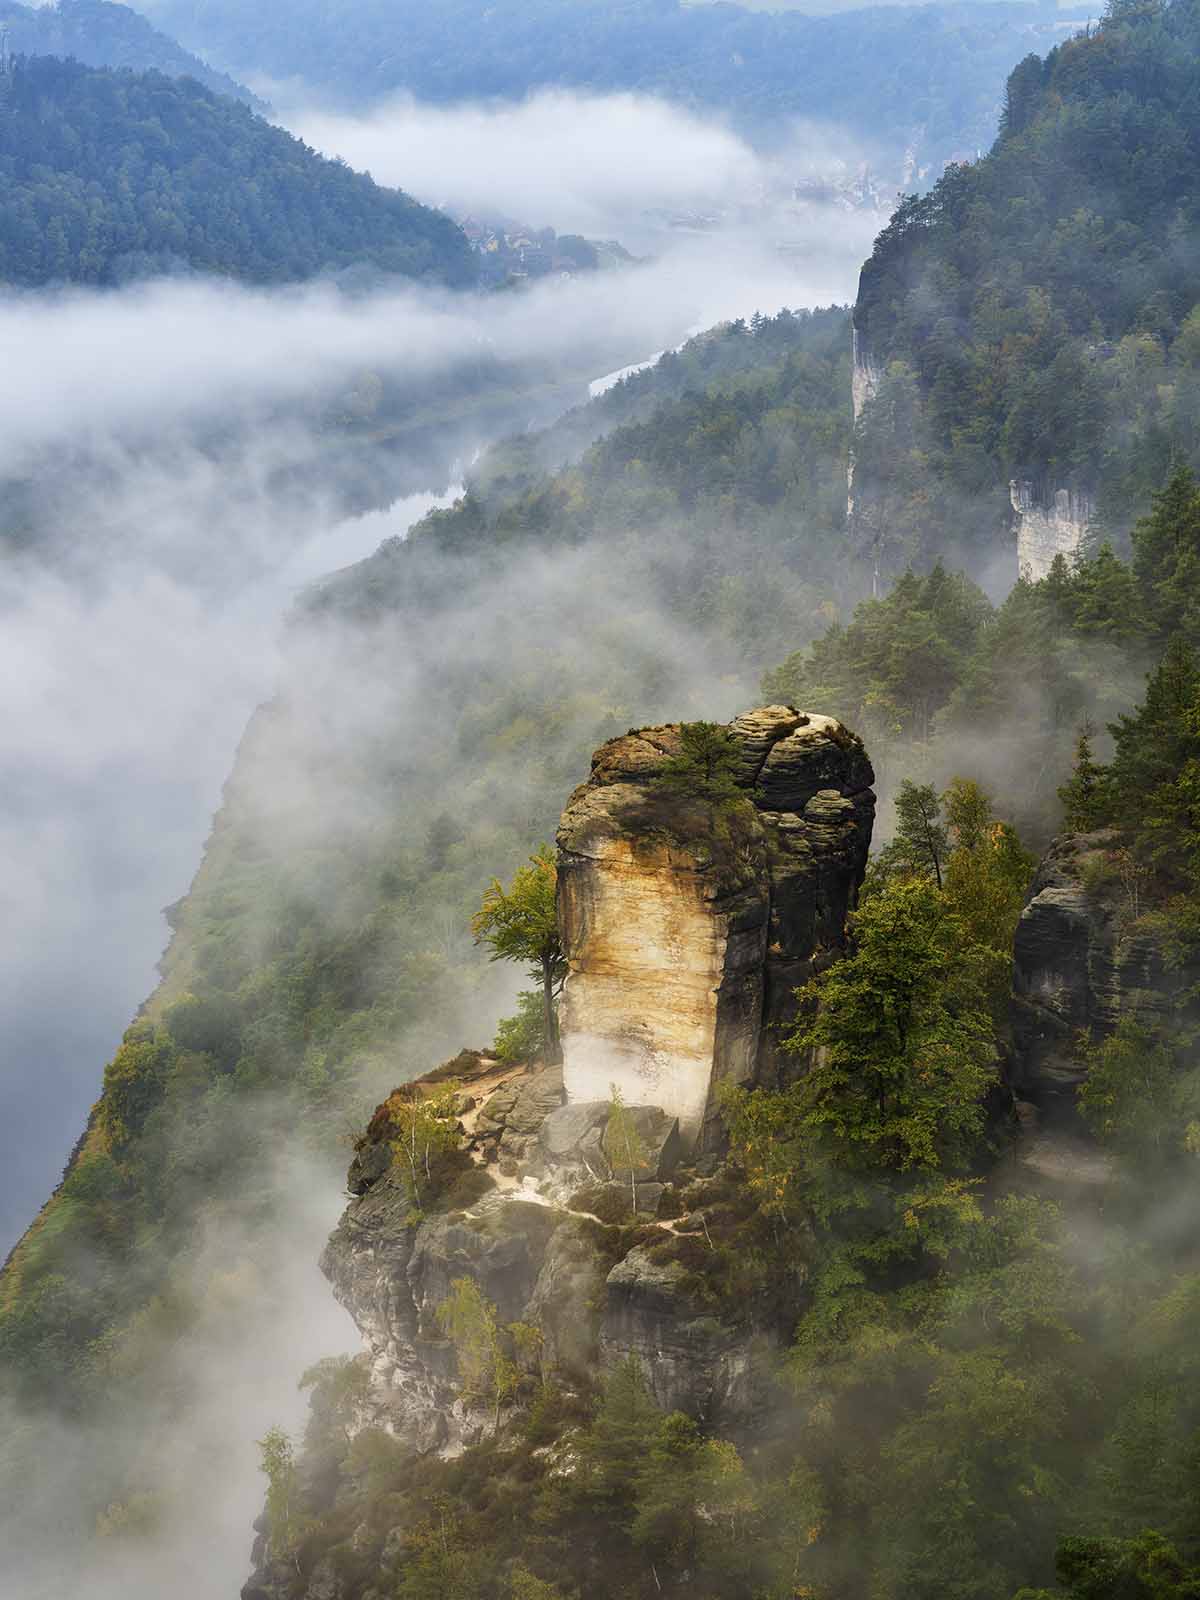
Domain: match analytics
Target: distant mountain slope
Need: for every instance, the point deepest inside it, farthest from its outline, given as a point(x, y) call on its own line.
point(101, 34)
point(1037, 316)
point(109, 175)
point(929, 75)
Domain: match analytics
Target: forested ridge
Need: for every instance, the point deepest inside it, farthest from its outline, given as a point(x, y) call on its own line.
point(928, 74)
point(113, 175)
point(102, 34)
point(1035, 315)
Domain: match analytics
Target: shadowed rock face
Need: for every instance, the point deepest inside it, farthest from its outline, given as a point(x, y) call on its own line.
point(1079, 962)
point(688, 925)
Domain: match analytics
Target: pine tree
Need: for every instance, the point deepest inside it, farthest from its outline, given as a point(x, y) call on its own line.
point(1166, 557)
point(1156, 742)
point(1082, 795)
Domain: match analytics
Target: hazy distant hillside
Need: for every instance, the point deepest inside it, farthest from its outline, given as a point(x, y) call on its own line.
point(101, 34)
point(1037, 316)
point(109, 175)
point(931, 74)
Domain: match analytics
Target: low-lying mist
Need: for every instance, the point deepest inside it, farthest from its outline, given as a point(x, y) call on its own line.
point(183, 449)
point(623, 166)
point(177, 460)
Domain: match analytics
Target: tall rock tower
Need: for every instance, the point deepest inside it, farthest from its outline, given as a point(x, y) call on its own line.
point(688, 923)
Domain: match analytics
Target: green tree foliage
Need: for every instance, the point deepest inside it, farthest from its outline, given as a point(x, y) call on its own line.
point(520, 923)
point(897, 663)
point(1144, 1568)
point(277, 1460)
point(1166, 558)
point(623, 1144)
point(1029, 314)
point(112, 175)
point(901, 1052)
point(102, 34)
point(426, 1131)
point(523, 1036)
point(1139, 1099)
point(764, 69)
point(1153, 777)
point(921, 843)
point(487, 1373)
point(134, 1082)
point(706, 767)
point(988, 873)
point(1081, 795)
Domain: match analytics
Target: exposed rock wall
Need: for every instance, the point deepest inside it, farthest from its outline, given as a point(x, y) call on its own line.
point(599, 1288)
point(1081, 960)
point(865, 377)
point(688, 925)
point(1047, 527)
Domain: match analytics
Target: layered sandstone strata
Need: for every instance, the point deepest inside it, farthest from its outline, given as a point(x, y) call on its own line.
point(689, 922)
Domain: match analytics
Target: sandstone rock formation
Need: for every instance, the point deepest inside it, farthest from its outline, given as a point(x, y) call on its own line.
point(688, 923)
point(599, 1288)
point(1080, 961)
point(1048, 526)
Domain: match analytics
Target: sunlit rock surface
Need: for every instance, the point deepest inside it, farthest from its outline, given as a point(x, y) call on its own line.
point(688, 924)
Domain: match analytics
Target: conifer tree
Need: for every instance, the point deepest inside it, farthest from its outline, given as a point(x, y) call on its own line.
point(1082, 795)
point(1166, 557)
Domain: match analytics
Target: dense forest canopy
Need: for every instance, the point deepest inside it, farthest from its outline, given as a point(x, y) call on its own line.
point(1036, 316)
point(113, 175)
point(926, 75)
point(102, 34)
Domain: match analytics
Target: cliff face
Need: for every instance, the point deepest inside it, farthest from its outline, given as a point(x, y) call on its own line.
point(688, 924)
point(865, 375)
point(1081, 960)
point(1049, 526)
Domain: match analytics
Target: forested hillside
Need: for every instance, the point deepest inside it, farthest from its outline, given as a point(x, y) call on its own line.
point(921, 76)
point(102, 34)
point(1036, 315)
point(969, 1290)
point(442, 698)
point(113, 175)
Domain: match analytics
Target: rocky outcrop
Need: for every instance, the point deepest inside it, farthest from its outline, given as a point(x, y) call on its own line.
point(1048, 525)
point(688, 923)
point(554, 1243)
point(1081, 960)
point(688, 916)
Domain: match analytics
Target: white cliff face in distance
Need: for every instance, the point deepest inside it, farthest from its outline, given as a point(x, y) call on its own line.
point(1048, 529)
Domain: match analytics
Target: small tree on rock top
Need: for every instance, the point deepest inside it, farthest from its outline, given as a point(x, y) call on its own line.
point(706, 767)
point(623, 1144)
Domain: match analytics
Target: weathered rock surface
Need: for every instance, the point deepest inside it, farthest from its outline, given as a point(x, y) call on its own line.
point(688, 925)
point(1049, 524)
point(1081, 960)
